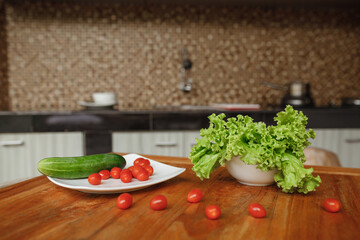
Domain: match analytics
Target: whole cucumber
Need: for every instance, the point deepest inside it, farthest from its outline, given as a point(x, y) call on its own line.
point(79, 167)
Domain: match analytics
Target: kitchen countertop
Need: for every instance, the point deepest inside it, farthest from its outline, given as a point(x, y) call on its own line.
point(159, 119)
point(37, 208)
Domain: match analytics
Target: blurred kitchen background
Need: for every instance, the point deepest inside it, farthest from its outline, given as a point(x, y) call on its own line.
point(54, 54)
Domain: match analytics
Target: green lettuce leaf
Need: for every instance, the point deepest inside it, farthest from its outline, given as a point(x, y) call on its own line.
point(281, 146)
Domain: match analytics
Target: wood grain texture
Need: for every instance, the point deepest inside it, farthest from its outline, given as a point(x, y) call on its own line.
point(38, 209)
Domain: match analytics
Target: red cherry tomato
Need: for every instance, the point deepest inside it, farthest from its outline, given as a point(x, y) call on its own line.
point(131, 170)
point(125, 176)
point(136, 170)
point(94, 179)
point(158, 202)
point(212, 212)
point(149, 169)
point(194, 196)
point(124, 201)
point(142, 175)
point(331, 205)
point(105, 174)
point(115, 172)
point(256, 210)
point(142, 162)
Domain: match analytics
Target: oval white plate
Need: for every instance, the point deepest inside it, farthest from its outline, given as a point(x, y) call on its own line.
point(162, 172)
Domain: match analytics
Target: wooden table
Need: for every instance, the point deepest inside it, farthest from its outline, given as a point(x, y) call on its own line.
point(38, 209)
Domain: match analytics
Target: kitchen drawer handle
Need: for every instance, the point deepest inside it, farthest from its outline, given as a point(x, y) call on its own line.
point(166, 144)
point(12, 143)
point(354, 140)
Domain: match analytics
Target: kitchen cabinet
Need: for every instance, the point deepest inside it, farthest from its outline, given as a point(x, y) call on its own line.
point(168, 143)
point(344, 142)
point(20, 152)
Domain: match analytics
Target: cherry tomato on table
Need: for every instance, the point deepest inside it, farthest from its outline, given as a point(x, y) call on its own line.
point(256, 210)
point(142, 162)
point(158, 202)
point(94, 179)
point(115, 172)
point(194, 196)
point(124, 201)
point(331, 205)
point(105, 174)
point(212, 212)
point(125, 176)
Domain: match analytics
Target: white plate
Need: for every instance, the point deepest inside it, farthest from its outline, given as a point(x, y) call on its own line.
point(94, 104)
point(162, 173)
point(234, 107)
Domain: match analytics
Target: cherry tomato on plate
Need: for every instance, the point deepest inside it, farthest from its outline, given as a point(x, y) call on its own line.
point(149, 169)
point(124, 201)
point(94, 179)
point(331, 205)
point(256, 210)
point(136, 169)
point(141, 162)
point(115, 172)
point(194, 196)
point(105, 174)
point(212, 212)
point(131, 170)
point(125, 176)
point(142, 175)
point(158, 202)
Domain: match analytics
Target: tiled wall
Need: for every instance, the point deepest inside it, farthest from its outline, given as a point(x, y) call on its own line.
point(60, 53)
point(4, 87)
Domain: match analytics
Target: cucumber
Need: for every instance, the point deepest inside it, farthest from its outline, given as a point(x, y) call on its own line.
point(79, 167)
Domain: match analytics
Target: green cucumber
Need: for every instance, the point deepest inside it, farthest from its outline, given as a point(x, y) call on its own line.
point(79, 167)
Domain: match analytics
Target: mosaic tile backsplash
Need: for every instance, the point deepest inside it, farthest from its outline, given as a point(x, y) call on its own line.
point(58, 53)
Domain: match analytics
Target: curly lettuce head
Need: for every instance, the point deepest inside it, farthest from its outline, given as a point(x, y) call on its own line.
point(280, 146)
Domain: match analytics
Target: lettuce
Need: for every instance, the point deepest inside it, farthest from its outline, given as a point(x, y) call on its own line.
point(269, 147)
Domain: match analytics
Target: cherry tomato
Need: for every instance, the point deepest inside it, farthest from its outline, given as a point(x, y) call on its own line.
point(212, 212)
point(105, 174)
point(149, 169)
point(124, 201)
point(94, 179)
point(142, 162)
point(194, 196)
point(256, 210)
point(158, 202)
point(125, 176)
point(142, 175)
point(331, 205)
point(136, 170)
point(131, 170)
point(115, 172)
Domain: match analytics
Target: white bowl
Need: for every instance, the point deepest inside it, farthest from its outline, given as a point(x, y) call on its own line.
point(249, 174)
point(104, 97)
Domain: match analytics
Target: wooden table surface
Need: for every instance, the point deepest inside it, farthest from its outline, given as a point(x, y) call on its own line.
point(39, 209)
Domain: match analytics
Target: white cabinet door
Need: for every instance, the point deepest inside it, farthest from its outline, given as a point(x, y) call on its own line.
point(20, 152)
point(190, 140)
point(344, 142)
point(169, 143)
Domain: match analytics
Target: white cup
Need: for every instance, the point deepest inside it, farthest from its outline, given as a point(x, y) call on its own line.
point(104, 97)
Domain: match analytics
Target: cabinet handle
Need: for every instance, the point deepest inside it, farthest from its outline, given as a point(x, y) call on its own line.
point(354, 140)
point(12, 143)
point(166, 144)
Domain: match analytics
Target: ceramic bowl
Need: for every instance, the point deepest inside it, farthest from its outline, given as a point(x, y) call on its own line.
point(104, 97)
point(249, 174)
